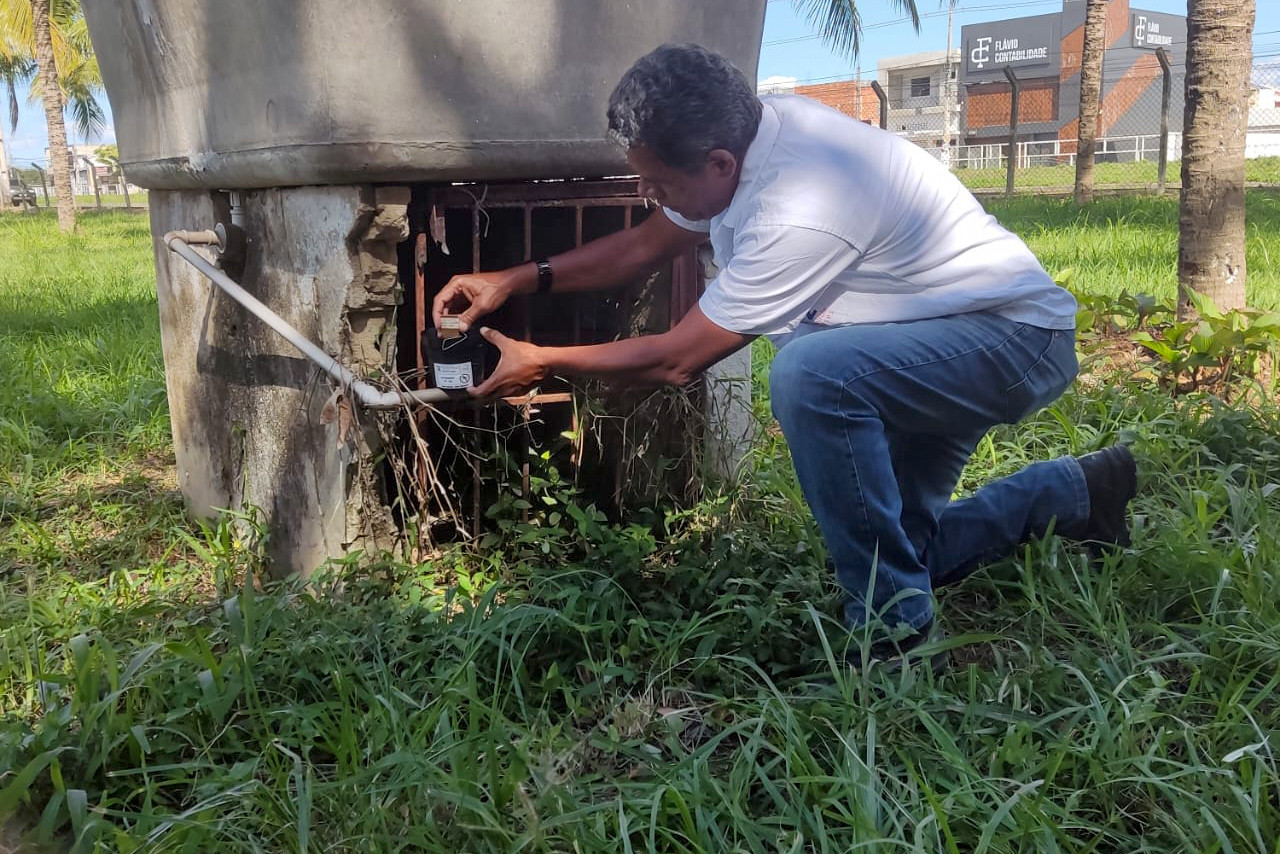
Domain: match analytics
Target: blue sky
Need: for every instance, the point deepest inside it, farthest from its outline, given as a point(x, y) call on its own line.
point(787, 51)
point(790, 48)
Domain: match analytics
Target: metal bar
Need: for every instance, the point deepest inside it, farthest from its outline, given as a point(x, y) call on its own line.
point(420, 302)
point(684, 285)
point(884, 103)
point(1011, 163)
point(477, 505)
point(1166, 83)
point(365, 393)
point(526, 443)
point(463, 201)
point(550, 192)
point(475, 240)
point(476, 481)
point(528, 256)
point(575, 456)
point(44, 185)
point(539, 399)
point(575, 300)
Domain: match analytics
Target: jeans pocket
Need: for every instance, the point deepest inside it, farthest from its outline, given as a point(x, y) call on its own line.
point(1049, 376)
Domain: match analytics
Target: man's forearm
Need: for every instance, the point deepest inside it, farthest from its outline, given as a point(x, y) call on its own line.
point(612, 260)
point(672, 358)
point(641, 361)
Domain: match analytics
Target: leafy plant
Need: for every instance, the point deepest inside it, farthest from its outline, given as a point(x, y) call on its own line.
point(1213, 348)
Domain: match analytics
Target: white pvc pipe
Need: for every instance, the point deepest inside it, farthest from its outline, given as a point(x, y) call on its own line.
point(366, 394)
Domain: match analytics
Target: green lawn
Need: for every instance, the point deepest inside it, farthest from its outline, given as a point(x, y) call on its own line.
point(1143, 173)
point(602, 689)
point(111, 199)
point(137, 199)
point(1130, 243)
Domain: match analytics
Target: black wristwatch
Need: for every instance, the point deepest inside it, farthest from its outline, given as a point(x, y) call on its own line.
point(544, 275)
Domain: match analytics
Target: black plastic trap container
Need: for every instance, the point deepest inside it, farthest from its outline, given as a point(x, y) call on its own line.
point(458, 362)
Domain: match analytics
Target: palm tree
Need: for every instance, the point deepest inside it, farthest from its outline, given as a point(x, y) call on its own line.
point(1095, 46)
point(109, 156)
point(1211, 235)
point(53, 35)
point(14, 71)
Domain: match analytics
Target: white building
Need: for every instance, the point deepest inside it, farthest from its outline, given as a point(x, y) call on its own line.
point(1264, 109)
point(86, 167)
point(922, 93)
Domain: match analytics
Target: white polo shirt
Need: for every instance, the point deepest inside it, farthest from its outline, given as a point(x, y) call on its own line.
point(835, 222)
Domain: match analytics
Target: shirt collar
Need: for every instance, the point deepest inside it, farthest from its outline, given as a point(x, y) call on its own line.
point(757, 153)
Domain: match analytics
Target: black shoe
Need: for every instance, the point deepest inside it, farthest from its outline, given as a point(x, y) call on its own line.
point(891, 656)
point(1111, 476)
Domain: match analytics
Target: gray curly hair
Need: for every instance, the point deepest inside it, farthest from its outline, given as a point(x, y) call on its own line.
point(682, 101)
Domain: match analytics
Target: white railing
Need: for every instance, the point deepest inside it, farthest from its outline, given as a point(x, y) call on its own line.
point(1053, 152)
point(1061, 152)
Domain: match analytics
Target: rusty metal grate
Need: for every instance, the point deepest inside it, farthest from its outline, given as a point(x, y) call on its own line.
point(467, 228)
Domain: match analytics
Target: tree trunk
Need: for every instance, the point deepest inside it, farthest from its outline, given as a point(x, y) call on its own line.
point(1094, 48)
point(1211, 236)
point(51, 94)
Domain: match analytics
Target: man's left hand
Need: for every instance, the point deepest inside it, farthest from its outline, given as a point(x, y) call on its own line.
point(520, 367)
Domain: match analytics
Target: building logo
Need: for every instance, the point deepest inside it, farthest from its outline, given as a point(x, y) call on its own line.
point(1147, 32)
point(981, 54)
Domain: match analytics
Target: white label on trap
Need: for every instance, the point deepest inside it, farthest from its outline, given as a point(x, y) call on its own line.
point(453, 376)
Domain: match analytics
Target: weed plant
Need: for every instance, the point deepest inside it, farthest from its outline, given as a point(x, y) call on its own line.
point(669, 685)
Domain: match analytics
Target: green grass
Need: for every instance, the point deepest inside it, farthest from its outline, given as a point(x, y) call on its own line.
point(640, 688)
point(1144, 173)
point(1130, 243)
point(136, 199)
point(111, 199)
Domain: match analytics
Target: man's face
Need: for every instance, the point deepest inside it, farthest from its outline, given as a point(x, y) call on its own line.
point(694, 195)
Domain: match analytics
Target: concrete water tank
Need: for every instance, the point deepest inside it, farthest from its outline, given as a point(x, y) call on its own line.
point(326, 133)
point(273, 93)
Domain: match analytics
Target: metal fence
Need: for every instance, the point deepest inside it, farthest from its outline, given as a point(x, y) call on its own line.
point(1015, 134)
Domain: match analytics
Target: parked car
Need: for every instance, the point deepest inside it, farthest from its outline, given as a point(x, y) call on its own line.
point(20, 194)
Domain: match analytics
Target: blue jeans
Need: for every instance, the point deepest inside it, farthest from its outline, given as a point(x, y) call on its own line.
point(881, 419)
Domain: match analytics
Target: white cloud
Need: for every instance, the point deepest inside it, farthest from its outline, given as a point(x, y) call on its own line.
point(776, 83)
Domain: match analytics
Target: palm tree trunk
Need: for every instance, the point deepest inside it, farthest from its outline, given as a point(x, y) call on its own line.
point(1095, 46)
point(51, 94)
point(1211, 235)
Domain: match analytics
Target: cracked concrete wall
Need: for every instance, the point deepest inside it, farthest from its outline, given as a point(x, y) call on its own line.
point(254, 422)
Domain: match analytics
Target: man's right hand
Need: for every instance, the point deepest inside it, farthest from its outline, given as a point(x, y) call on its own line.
point(473, 295)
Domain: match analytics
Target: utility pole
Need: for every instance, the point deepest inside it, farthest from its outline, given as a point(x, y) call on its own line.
point(857, 92)
point(93, 179)
point(5, 198)
point(948, 90)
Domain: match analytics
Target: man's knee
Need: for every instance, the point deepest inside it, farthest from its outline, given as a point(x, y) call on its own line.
point(808, 374)
point(791, 379)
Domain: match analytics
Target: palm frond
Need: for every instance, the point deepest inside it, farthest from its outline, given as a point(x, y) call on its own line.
point(82, 103)
point(840, 24)
point(17, 30)
point(14, 71)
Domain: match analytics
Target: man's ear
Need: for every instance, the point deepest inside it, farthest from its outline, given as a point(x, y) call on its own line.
point(722, 162)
